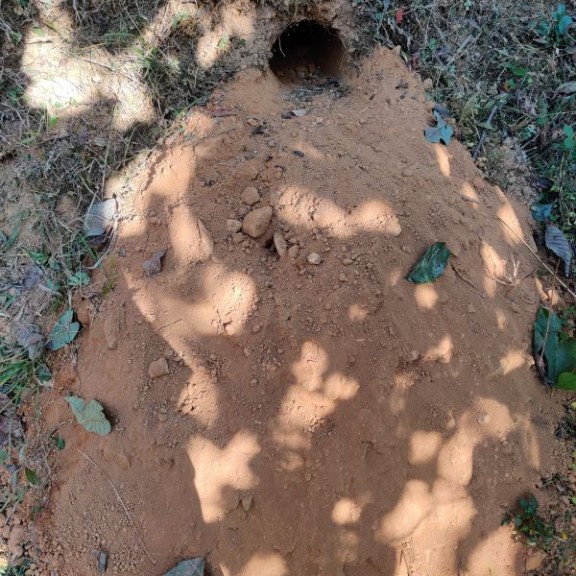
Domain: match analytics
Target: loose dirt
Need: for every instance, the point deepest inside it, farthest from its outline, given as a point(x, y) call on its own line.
point(294, 415)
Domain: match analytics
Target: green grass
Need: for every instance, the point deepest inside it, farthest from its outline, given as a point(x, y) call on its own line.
point(506, 58)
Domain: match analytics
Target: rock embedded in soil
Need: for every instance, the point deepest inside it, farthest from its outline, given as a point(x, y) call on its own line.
point(158, 368)
point(314, 258)
point(250, 196)
point(233, 226)
point(257, 222)
point(280, 244)
point(293, 252)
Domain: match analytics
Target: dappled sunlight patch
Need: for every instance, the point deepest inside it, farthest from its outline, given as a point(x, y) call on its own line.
point(200, 398)
point(512, 360)
point(414, 505)
point(442, 352)
point(346, 511)
point(443, 158)
point(494, 555)
point(337, 386)
point(172, 174)
point(500, 421)
point(468, 192)
point(233, 21)
point(222, 305)
point(426, 296)
point(66, 85)
point(501, 320)
point(299, 206)
point(509, 224)
point(190, 240)
point(357, 312)
point(494, 268)
point(271, 564)
point(310, 368)
point(456, 457)
point(424, 447)
point(219, 474)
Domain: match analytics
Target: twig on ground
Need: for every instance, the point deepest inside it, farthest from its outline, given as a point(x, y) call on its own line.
point(562, 283)
point(141, 542)
point(484, 134)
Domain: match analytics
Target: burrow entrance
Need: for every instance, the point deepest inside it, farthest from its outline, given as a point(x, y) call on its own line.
point(307, 50)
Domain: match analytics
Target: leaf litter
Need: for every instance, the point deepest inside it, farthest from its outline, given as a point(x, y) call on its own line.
point(90, 415)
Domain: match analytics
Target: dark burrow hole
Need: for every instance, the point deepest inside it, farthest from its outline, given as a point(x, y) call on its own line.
point(307, 50)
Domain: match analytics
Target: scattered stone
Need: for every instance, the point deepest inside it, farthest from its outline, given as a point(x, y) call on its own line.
point(314, 258)
point(237, 238)
point(280, 244)
point(293, 252)
point(233, 226)
point(428, 84)
point(250, 196)
point(347, 261)
point(158, 368)
point(256, 223)
point(153, 265)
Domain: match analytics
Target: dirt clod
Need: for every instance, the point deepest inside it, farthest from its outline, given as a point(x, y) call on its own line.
point(250, 196)
point(158, 368)
point(256, 222)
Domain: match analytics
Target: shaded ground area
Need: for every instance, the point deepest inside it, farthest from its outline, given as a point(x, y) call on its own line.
point(284, 417)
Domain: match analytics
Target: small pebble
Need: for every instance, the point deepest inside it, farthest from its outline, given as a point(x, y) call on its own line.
point(314, 258)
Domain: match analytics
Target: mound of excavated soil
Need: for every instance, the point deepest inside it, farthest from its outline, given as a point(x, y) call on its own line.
point(285, 417)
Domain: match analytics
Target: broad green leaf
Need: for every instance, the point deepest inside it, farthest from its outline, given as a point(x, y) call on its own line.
point(567, 381)
point(431, 266)
point(546, 329)
point(90, 415)
point(64, 331)
point(559, 349)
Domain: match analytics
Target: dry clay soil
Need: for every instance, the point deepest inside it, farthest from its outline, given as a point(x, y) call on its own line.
point(280, 417)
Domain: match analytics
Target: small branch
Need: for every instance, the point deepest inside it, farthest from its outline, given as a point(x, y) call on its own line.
point(141, 542)
point(562, 283)
point(484, 134)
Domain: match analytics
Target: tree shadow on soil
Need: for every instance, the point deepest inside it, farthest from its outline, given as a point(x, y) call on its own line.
point(314, 419)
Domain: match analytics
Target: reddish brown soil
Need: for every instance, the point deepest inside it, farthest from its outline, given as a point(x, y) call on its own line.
point(326, 419)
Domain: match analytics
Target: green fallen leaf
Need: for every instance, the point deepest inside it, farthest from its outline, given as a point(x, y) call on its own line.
point(567, 381)
point(90, 415)
point(431, 266)
point(558, 348)
point(442, 132)
point(31, 477)
point(64, 331)
point(59, 442)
